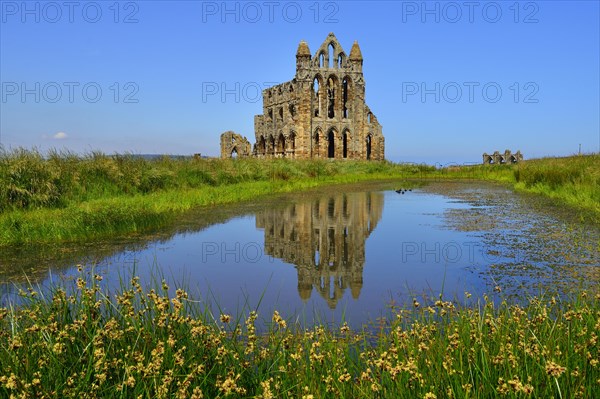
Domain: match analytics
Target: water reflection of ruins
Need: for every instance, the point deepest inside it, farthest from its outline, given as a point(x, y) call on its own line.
point(325, 238)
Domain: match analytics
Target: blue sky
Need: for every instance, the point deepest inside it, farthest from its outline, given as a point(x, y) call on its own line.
point(447, 80)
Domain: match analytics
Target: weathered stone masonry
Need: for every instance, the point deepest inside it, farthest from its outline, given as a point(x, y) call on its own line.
point(321, 113)
point(507, 157)
point(234, 145)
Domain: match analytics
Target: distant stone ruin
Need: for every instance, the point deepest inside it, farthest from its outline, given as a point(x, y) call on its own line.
point(320, 113)
point(507, 158)
point(234, 145)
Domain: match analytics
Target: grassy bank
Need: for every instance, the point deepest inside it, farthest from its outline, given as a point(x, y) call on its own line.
point(573, 181)
point(63, 196)
point(67, 197)
point(86, 342)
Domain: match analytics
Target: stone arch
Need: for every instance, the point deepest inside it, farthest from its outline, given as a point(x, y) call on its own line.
point(341, 60)
point(331, 55)
point(271, 144)
point(331, 143)
point(234, 145)
point(280, 145)
point(321, 59)
point(292, 143)
point(262, 146)
point(345, 138)
point(317, 95)
point(317, 139)
point(347, 96)
point(332, 94)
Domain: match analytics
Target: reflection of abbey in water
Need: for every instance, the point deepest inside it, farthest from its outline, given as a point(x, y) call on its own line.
point(325, 239)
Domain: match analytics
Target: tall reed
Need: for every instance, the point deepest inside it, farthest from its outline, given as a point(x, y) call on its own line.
point(84, 341)
point(63, 196)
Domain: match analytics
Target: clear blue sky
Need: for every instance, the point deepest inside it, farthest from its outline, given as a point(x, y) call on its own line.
point(162, 67)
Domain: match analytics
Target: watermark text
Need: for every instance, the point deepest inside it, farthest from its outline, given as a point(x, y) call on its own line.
point(470, 92)
point(453, 12)
point(237, 92)
point(252, 12)
point(68, 92)
point(52, 12)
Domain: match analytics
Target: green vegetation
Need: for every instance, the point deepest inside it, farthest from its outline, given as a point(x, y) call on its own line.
point(63, 196)
point(573, 181)
point(66, 197)
point(82, 341)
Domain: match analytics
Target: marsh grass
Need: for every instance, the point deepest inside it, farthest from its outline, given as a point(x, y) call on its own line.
point(84, 341)
point(61, 196)
point(573, 181)
point(32, 180)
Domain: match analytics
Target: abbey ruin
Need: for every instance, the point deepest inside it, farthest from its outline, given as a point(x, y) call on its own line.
point(320, 113)
point(234, 145)
point(497, 158)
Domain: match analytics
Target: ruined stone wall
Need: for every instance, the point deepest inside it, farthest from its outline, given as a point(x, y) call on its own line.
point(321, 112)
point(234, 145)
point(507, 157)
point(275, 130)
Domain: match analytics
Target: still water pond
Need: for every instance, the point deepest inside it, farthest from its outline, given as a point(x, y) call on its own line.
point(343, 253)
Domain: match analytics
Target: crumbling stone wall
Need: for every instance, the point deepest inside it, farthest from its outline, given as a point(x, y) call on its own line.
point(321, 112)
point(507, 157)
point(234, 145)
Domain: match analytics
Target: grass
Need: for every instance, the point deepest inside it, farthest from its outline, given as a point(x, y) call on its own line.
point(84, 341)
point(65, 197)
point(573, 181)
point(62, 196)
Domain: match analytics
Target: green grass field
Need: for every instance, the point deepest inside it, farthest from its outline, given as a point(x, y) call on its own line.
point(66, 197)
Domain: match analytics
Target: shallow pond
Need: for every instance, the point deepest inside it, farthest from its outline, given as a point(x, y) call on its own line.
point(342, 253)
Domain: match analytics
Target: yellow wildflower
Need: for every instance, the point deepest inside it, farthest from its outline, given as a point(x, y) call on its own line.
point(554, 369)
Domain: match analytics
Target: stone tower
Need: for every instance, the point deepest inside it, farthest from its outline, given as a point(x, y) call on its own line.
point(321, 112)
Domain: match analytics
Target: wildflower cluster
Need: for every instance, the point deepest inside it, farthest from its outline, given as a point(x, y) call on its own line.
point(83, 342)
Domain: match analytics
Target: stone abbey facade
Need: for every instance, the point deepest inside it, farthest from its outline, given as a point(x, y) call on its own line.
point(321, 112)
